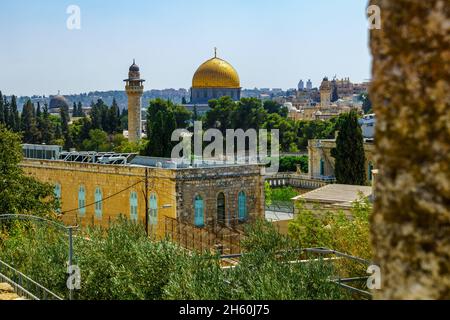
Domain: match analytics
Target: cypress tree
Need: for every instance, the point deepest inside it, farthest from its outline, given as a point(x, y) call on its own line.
point(27, 123)
point(195, 113)
point(14, 118)
point(38, 110)
point(68, 142)
point(349, 151)
point(6, 112)
point(74, 110)
point(2, 110)
point(114, 118)
point(46, 127)
point(80, 110)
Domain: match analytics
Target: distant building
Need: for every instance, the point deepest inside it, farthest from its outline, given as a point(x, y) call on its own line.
point(56, 103)
point(325, 93)
point(368, 125)
point(301, 85)
point(215, 78)
point(332, 197)
point(321, 163)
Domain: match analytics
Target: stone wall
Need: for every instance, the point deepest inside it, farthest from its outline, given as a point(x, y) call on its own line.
point(321, 149)
point(175, 191)
point(411, 98)
point(111, 179)
point(208, 183)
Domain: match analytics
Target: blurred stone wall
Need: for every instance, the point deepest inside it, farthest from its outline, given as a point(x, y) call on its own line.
point(411, 97)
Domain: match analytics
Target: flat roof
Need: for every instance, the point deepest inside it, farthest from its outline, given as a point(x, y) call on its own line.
point(336, 193)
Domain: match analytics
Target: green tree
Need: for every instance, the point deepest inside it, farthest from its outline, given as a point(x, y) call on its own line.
point(38, 110)
point(195, 116)
point(163, 117)
point(290, 163)
point(14, 118)
point(2, 110)
point(98, 141)
point(74, 110)
point(114, 118)
point(274, 107)
point(20, 193)
point(80, 111)
point(367, 103)
point(65, 118)
point(46, 127)
point(349, 152)
point(28, 124)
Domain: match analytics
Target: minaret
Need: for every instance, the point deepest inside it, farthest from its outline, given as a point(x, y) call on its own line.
point(325, 93)
point(135, 89)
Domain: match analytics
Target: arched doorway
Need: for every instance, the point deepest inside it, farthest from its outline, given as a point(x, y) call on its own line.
point(221, 218)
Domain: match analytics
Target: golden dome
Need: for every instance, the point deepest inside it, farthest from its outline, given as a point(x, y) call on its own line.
point(216, 73)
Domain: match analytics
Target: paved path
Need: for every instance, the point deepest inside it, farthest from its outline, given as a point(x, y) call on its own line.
point(7, 292)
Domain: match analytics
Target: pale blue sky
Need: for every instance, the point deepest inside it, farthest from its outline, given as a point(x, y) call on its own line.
point(272, 43)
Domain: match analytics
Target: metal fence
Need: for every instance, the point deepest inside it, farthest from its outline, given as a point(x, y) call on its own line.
point(353, 284)
point(23, 285)
point(224, 240)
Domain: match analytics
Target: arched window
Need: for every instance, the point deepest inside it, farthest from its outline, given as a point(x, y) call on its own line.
point(153, 209)
point(322, 167)
point(369, 171)
point(199, 212)
point(57, 192)
point(82, 200)
point(221, 208)
point(98, 203)
point(242, 205)
point(133, 206)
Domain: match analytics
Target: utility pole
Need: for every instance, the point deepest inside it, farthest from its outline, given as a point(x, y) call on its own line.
point(146, 201)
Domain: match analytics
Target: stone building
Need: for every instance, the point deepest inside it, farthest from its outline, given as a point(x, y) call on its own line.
point(325, 93)
point(331, 198)
point(96, 188)
point(57, 103)
point(321, 163)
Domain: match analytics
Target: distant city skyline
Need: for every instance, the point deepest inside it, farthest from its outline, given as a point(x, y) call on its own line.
point(170, 39)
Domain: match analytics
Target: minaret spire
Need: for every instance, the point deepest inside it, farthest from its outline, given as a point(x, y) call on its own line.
point(215, 52)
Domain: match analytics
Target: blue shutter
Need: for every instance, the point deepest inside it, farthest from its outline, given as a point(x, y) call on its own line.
point(81, 201)
point(98, 203)
point(133, 206)
point(57, 192)
point(153, 219)
point(242, 205)
point(199, 212)
point(370, 174)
